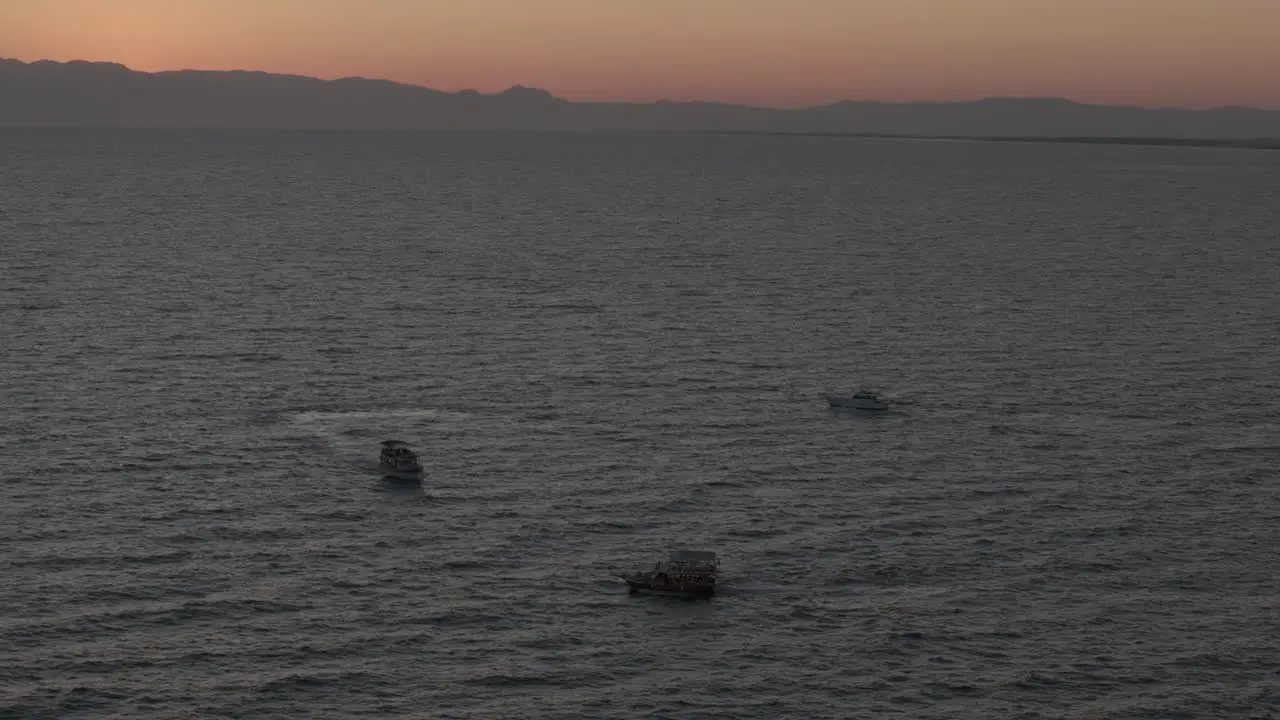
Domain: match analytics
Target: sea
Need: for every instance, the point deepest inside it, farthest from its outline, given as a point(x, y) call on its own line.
point(608, 346)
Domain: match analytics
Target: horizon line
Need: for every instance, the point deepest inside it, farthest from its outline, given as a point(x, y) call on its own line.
point(518, 87)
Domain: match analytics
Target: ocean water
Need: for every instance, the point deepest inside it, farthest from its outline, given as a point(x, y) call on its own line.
point(608, 346)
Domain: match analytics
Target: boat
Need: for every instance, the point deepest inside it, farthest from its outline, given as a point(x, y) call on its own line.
point(860, 400)
point(685, 573)
point(398, 461)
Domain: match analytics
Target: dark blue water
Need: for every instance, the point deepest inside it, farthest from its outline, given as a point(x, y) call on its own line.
point(608, 346)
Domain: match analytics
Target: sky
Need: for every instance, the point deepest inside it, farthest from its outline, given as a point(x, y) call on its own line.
point(783, 53)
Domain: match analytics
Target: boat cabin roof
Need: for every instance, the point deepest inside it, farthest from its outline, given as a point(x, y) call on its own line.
point(691, 556)
point(695, 562)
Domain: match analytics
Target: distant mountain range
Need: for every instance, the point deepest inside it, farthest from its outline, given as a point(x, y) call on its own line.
point(87, 94)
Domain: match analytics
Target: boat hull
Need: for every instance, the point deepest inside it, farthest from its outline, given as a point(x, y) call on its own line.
point(645, 588)
point(847, 404)
point(401, 473)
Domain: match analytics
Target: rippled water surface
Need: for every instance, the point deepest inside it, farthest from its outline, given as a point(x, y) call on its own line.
point(608, 346)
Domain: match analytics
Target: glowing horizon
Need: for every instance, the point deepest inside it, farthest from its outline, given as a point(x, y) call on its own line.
point(1186, 53)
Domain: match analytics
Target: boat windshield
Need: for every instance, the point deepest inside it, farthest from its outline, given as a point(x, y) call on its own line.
point(689, 562)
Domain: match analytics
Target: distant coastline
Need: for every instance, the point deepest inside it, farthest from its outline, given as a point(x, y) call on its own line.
point(1242, 144)
point(85, 94)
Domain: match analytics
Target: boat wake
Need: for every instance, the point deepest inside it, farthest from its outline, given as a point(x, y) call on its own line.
point(322, 418)
point(351, 436)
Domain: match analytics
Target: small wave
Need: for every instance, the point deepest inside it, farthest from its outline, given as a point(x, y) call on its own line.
point(609, 526)
point(158, 558)
point(1243, 448)
point(459, 618)
point(738, 425)
point(74, 700)
point(998, 492)
point(340, 514)
point(57, 562)
point(571, 306)
point(504, 680)
point(154, 614)
point(757, 533)
point(293, 681)
point(320, 417)
point(551, 643)
point(253, 534)
point(750, 364)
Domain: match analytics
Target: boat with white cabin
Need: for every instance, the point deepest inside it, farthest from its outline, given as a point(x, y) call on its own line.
point(398, 461)
point(685, 573)
point(861, 400)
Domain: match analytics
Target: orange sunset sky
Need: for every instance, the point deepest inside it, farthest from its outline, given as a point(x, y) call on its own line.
point(769, 52)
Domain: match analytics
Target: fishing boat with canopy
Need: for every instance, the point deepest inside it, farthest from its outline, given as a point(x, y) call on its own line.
point(397, 461)
point(684, 573)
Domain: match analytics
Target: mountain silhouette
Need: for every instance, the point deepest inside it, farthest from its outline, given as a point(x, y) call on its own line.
point(93, 94)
